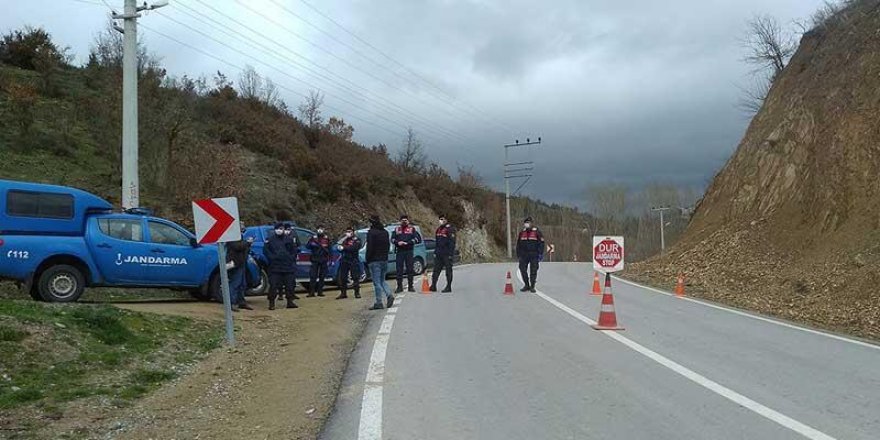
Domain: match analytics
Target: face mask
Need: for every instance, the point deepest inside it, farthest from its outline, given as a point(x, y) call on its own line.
point(279, 231)
point(405, 222)
point(442, 222)
point(320, 231)
point(349, 233)
point(527, 225)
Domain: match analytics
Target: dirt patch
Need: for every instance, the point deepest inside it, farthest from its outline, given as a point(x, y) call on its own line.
point(279, 382)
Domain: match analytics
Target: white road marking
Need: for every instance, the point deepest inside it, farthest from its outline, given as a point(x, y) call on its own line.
point(749, 315)
point(773, 415)
point(370, 426)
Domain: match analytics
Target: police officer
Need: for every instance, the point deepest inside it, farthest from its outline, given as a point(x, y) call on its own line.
point(443, 252)
point(350, 263)
point(529, 251)
point(405, 237)
point(290, 235)
point(320, 246)
point(281, 253)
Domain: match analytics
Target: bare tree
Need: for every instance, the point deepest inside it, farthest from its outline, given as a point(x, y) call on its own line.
point(412, 156)
point(271, 96)
point(754, 95)
point(769, 45)
point(470, 177)
point(310, 112)
point(250, 84)
point(337, 127)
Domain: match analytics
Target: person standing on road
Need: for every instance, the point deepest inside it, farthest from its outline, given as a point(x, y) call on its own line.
point(236, 265)
point(282, 266)
point(444, 250)
point(529, 251)
point(405, 237)
point(320, 247)
point(290, 235)
point(378, 245)
point(350, 264)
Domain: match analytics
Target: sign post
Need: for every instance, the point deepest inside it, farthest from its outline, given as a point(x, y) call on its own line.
point(217, 221)
point(608, 254)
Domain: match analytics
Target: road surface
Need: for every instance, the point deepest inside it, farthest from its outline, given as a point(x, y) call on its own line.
point(480, 365)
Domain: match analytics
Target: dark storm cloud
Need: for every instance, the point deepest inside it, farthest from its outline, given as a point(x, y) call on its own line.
point(630, 92)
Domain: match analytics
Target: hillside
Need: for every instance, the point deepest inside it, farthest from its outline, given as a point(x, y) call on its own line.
point(791, 224)
point(202, 137)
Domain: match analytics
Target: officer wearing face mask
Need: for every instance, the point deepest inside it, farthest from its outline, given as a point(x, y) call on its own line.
point(405, 238)
point(281, 253)
point(319, 245)
point(444, 250)
point(291, 237)
point(350, 246)
point(529, 250)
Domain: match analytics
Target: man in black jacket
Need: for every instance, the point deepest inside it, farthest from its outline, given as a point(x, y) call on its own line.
point(529, 251)
point(444, 250)
point(350, 264)
point(281, 252)
point(236, 262)
point(405, 237)
point(320, 246)
point(378, 246)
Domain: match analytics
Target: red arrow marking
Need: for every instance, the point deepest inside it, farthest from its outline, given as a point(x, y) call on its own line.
point(223, 220)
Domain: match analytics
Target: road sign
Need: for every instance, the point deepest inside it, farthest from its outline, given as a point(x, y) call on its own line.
point(216, 220)
point(551, 248)
point(608, 253)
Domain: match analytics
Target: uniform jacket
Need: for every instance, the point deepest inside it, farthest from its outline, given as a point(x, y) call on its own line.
point(351, 246)
point(530, 243)
point(320, 247)
point(406, 234)
point(445, 239)
point(281, 253)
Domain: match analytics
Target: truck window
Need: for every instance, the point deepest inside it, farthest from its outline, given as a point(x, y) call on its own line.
point(160, 233)
point(39, 204)
point(122, 229)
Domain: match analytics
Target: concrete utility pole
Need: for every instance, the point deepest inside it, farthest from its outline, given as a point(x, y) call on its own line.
point(508, 176)
point(662, 227)
point(130, 184)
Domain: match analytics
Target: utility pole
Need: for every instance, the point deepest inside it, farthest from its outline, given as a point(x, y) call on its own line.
point(662, 227)
point(130, 182)
point(508, 176)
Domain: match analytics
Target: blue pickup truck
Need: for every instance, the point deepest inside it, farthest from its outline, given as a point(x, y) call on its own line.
point(56, 240)
point(260, 234)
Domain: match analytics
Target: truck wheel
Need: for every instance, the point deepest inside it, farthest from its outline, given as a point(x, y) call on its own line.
point(61, 283)
point(418, 266)
point(263, 288)
point(200, 293)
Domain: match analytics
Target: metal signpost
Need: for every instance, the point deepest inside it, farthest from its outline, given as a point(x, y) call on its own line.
point(217, 221)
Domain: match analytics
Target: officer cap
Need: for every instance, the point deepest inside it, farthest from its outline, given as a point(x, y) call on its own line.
point(527, 220)
point(404, 216)
point(279, 225)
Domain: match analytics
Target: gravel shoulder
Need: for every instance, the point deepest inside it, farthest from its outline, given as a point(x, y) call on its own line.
point(280, 381)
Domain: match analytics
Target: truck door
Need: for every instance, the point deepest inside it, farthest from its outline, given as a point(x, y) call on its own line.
point(175, 261)
point(117, 244)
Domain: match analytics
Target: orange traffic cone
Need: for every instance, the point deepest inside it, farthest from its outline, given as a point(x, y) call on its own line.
point(596, 289)
point(508, 287)
point(607, 316)
point(679, 286)
point(426, 288)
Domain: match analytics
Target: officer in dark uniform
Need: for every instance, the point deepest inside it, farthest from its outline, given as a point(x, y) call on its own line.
point(320, 246)
point(529, 251)
point(290, 235)
point(444, 250)
point(350, 263)
point(281, 253)
point(404, 238)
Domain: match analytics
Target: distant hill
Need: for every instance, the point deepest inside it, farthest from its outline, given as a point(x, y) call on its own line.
point(791, 224)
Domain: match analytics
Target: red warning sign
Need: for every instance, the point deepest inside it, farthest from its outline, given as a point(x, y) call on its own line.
point(608, 253)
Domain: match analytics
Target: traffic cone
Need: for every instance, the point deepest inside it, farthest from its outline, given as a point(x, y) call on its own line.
point(679, 286)
point(508, 287)
point(596, 289)
point(607, 316)
point(426, 288)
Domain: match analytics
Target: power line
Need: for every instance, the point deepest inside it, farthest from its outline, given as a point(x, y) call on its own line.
point(391, 106)
point(479, 112)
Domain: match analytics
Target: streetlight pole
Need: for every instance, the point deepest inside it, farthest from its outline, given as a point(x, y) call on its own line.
point(662, 227)
point(130, 181)
point(507, 178)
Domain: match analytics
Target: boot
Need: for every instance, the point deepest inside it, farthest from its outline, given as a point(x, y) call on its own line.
point(291, 304)
point(448, 289)
point(433, 288)
point(390, 301)
point(342, 296)
point(399, 289)
point(533, 289)
point(271, 303)
point(357, 294)
point(377, 306)
point(245, 305)
point(525, 288)
point(411, 289)
point(320, 293)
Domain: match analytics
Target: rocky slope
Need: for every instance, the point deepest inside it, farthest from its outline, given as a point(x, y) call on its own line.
point(790, 224)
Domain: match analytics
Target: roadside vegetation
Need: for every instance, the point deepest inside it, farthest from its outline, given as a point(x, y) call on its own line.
point(57, 359)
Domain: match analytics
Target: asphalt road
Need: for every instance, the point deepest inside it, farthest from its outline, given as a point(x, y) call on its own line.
point(480, 365)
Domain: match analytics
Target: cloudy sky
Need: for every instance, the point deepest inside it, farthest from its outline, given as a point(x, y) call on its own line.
point(628, 92)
